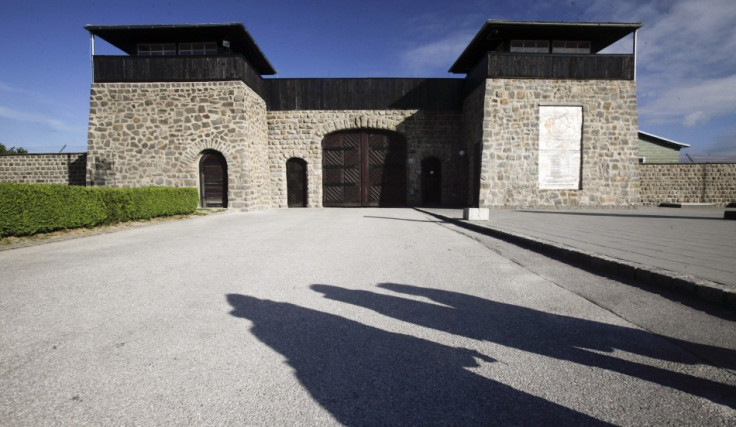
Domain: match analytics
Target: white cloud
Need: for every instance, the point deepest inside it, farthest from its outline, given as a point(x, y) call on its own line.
point(693, 119)
point(687, 65)
point(437, 39)
point(438, 54)
point(685, 52)
point(693, 102)
point(691, 38)
point(40, 119)
point(38, 99)
point(7, 88)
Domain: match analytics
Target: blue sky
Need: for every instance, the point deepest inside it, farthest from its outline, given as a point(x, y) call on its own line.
point(686, 73)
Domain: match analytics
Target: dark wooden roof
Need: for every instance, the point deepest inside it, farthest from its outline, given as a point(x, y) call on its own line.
point(364, 94)
point(127, 37)
point(493, 33)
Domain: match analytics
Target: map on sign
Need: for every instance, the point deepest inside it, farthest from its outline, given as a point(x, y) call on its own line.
point(560, 134)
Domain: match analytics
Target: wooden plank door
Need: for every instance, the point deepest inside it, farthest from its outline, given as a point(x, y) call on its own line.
point(213, 180)
point(385, 169)
point(296, 183)
point(363, 168)
point(341, 169)
point(431, 181)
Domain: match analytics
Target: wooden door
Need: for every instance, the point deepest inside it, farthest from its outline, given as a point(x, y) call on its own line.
point(477, 163)
point(296, 183)
point(213, 180)
point(364, 168)
point(341, 169)
point(386, 170)
point(431, 181)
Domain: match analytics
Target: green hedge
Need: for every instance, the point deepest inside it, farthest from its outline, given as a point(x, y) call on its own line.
point(35, 208)
point(126, 204)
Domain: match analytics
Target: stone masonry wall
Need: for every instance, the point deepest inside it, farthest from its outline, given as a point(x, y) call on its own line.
point(610, 174)
point(427, 133)
point(64, 168)
point(688, 183)
point(473, 107)
point(150, 134)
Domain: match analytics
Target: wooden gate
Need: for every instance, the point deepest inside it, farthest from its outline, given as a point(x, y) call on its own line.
point(213, 180)
point(363, 168)
point(296, 183)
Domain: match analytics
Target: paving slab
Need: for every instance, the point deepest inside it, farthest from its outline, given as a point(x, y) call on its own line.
point(691, 247)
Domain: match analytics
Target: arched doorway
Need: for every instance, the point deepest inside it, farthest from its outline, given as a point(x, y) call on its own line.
point(296, 183)
point(213, 180)
point(364, 167)
point(431, 181)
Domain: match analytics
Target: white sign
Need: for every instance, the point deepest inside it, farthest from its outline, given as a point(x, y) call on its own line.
point(560, 136)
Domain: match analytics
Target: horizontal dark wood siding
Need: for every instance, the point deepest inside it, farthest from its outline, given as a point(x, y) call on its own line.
point(363, 94)
point(114, 69)
point(546, 66)
point(360, 93)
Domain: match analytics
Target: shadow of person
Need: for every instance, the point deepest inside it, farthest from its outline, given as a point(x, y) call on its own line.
point(367, 376)
point(561, 337)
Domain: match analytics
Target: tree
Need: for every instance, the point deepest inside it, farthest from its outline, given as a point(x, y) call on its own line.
point(12, 150)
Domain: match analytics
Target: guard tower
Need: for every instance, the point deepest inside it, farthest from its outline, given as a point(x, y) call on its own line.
point(182, 107)
point(165, 53)
point(549, 119)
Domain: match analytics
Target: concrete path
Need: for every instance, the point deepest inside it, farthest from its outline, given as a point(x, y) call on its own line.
point(343, 316)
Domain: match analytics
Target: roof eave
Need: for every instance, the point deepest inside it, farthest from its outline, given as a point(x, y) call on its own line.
point(262, 64)
point(461, 67)
point(664, 140)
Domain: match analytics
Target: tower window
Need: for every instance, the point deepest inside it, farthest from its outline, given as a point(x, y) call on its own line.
point(156, 49)
point(530, 46)
point(199, 48)
point(571, 46)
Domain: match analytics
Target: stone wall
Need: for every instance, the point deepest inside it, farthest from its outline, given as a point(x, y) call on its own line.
point(427, 133)
point(688, 183)
point(609, 175)
point(143, 134)
point(63, 168)
point(473, 107)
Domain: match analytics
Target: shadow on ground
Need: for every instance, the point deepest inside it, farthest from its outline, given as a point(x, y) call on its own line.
point(365, 375)
point(403, 219)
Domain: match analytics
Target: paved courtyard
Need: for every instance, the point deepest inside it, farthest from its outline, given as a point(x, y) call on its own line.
point(694, 241)
point(343, 316)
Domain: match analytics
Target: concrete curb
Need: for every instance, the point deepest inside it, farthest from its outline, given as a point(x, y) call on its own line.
point(701, 289)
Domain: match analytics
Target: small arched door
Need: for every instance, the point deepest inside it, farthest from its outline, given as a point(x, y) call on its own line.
point(213, 180)
point(431, 181)
point(296, 183)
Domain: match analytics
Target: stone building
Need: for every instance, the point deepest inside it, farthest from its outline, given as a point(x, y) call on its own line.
point(537, 118)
